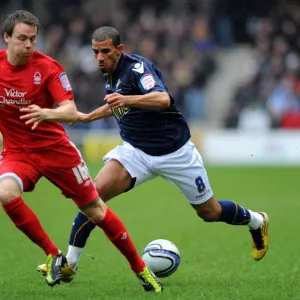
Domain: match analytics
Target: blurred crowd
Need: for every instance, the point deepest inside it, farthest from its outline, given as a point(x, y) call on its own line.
point(270, 97)
point(179, 39)
point(182, 37)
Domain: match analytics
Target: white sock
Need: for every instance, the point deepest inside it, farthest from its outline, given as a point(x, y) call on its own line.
point(73, 256)
point(256, 220)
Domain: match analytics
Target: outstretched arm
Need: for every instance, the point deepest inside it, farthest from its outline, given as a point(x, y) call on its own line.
point(99, 113)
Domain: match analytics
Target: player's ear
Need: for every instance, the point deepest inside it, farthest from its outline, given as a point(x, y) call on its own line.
point(120, 48)
point(6, 37)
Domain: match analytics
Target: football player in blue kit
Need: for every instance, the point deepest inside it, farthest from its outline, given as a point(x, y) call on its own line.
point(156, 143)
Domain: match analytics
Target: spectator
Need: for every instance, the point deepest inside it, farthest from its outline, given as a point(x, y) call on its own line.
point(182, 46)
point(275, 85)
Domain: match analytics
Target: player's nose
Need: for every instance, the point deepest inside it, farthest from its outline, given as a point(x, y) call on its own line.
point(100, 58)
point(28, 44)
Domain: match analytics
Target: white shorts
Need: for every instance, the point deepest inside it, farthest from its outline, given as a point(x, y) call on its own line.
point(184, 168)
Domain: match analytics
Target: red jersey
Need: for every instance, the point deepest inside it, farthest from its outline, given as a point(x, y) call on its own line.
point(41, 81)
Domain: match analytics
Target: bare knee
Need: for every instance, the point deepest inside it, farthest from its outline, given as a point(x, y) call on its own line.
point(209, 211)
point(102, 189)
point(96, 211)
point(9, 190)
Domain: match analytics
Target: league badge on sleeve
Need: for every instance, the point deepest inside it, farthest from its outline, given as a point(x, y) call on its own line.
point(64, 80)
point(147, 81)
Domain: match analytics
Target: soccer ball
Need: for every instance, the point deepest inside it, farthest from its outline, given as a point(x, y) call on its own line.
point(162, 257)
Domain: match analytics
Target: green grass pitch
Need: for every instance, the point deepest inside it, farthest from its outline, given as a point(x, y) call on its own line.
point(216, 260)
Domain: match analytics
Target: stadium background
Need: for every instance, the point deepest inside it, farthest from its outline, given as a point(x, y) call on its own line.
point(233, 68)
point(227, 63)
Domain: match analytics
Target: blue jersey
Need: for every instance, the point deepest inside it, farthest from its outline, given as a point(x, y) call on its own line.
point(156, 132)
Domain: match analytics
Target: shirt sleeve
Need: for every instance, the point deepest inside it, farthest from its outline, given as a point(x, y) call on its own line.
point(146, 78)
point(58, 84)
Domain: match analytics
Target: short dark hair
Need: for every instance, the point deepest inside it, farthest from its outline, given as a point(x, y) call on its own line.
point(106, 32)
point(19, 16)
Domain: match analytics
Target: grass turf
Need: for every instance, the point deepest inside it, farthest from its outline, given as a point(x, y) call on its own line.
point(216, 258)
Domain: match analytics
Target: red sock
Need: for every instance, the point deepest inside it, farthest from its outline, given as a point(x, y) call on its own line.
point(26, 220)
point(117, 234)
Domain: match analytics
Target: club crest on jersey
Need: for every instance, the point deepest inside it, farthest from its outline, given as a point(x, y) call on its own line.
point(64, 80)
point(147, 81)
point(121, 112)
point(37, 78)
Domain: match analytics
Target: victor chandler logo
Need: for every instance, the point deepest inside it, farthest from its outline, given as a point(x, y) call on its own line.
point(14, 93)
point(13, 96)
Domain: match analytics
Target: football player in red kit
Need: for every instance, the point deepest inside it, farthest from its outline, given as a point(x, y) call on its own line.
point(36, 145)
